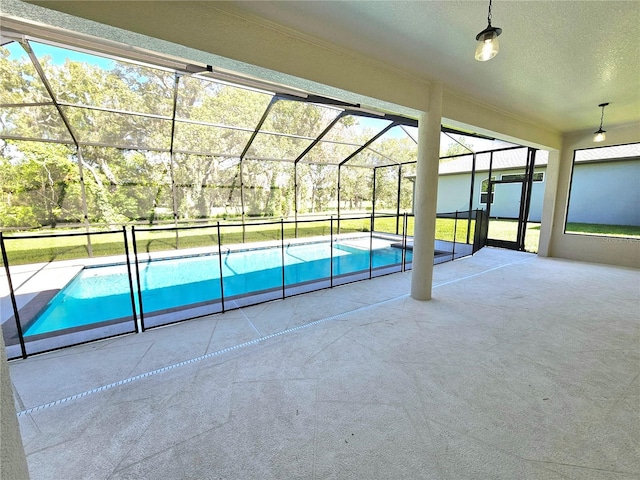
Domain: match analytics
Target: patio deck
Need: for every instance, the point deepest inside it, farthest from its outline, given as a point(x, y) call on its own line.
point(520, 367)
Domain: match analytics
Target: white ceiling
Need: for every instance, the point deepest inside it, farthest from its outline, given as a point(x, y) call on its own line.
point(558, 59)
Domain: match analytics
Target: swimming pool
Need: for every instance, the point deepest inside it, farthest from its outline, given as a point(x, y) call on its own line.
point(102, 294)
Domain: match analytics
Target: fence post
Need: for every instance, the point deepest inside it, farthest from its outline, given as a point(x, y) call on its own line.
point(478, 225)
point(295, 196)
point(404, 242)
point(14, 304)
point(220, 266)
point(398, 199)
point(282, 250)
point(371, 248)
point(455, 231)
point(133, 297)
point(137, 264)
point(331, 253)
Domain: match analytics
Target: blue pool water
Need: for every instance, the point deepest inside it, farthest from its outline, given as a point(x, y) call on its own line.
point(100, 294)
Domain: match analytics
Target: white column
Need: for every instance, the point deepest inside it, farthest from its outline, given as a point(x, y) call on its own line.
point(548, 221)
point(426, 195)
point(13, 463)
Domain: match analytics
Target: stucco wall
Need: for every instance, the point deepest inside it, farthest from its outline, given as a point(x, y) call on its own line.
point(453, 194)
point(589, 248)
point(605, 193)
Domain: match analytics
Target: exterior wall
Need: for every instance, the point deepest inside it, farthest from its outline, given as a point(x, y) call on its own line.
point(588, 248)
point(605, 193)
point(453, 194)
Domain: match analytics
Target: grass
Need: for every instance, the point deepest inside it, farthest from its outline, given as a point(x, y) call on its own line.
point(607, 230)
point(445, 228)
point(508, 230)
point(67, 247)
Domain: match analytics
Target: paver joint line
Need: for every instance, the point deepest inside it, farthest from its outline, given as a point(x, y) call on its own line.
point(241, 345)
point(200, 358)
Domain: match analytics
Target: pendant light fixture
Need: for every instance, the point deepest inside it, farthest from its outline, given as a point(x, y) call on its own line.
point(599, 136)
point(488, 45)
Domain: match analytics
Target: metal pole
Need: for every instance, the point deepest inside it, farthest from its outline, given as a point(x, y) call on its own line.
point(373, 199)
point(478, 225)
point(135, 257)
point(12, 293)
point(265, 114)
point(404, 242)
point(83, 193)
point(531, 163)
point(220, 265)
point(176, 81)
point(174, 199)
point(295, 196)
point(398, 200)
point(371, 249)
point(133, 297)
point(242, 199)
point(339, 167)
point(455, 228)
point(478, 233)
point(331, 253)
point(473, 179)
point(282, 250)
point(489, 192)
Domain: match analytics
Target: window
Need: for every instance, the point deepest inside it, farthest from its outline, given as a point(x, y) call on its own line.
point(484, 191)
point(604, 194)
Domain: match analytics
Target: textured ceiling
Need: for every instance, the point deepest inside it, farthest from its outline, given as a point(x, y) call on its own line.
point(558, 59)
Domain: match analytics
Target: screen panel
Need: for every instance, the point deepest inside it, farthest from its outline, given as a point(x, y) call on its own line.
point(212, 102)
point(79, 78)
point(41, 122)
point(19, 79)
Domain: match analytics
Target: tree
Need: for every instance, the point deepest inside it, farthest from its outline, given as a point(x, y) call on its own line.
point(131, 162)
point(40, 184)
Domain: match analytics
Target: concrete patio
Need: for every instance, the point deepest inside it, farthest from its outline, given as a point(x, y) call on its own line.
point(519, 368)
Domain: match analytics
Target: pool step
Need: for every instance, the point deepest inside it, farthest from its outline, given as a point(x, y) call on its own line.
point(436, 253)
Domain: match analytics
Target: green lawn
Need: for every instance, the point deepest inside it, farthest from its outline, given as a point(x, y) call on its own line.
point(47, 249)
point(445, 228)
point(607, 230)
point(508, 230)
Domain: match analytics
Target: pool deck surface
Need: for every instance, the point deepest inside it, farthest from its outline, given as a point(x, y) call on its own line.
point(519, 368)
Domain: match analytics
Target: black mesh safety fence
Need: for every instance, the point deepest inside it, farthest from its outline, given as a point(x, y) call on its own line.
point(65, 289)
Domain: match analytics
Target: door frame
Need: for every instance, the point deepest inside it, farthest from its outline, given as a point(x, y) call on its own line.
point(525, 203)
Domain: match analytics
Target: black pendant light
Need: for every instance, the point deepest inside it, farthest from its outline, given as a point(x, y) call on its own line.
point(599, 135)
point(488, 45)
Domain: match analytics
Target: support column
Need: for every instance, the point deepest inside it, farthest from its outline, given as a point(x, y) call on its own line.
point(548, 221)
point(426, 195)
point(12, 457)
